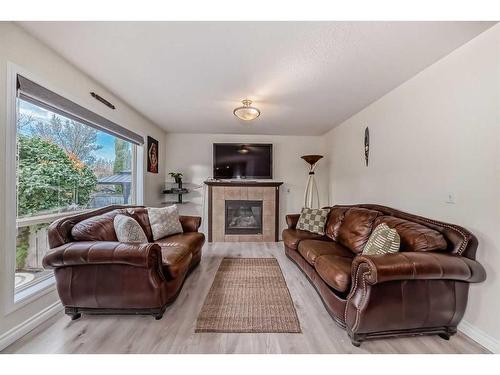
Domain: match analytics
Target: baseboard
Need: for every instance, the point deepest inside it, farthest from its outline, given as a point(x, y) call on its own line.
point(480, 336)
point(28, 325)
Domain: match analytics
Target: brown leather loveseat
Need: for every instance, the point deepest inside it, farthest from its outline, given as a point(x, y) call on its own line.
point(422, 289)
point(97, 274)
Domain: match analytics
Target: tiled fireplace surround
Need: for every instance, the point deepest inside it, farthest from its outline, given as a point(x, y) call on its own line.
point(220, 192)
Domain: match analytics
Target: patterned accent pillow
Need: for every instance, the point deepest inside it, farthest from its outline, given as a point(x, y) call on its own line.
point(164, 221)
point(313, 220)
point(128, 230)
point(383, 240)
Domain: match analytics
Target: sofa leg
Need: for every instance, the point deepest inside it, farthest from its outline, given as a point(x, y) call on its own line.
point(72, 313)
point(445, 336)
point(158, 316)
point(450, 331)
point(356, 339)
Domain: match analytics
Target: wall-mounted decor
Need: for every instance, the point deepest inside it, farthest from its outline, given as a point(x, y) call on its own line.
point(152, 155)
point(367, 145)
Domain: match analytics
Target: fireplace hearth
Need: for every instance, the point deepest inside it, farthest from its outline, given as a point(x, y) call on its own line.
point(243, 217)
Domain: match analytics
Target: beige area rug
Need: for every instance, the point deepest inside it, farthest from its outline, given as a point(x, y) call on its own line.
point(248, 295)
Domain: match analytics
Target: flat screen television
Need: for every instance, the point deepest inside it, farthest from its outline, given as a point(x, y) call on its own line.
point(243, 160)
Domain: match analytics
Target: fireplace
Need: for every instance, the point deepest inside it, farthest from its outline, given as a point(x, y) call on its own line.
point(243, 217)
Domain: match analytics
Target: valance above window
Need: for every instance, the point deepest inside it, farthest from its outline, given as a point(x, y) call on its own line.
point(40, 96)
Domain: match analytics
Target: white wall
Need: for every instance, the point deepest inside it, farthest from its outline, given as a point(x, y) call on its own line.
point(191, 154)
point(18, 47)
point(435, 135)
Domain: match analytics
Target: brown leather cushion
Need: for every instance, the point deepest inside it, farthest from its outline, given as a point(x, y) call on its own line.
point(334, 220)
point(335, 271)
point(356, 228)
point(312, 249)
point(191, 240)
point(140, 214)
point(97, 228)
point(292, 237)
point(414, 236)
point(175, 260)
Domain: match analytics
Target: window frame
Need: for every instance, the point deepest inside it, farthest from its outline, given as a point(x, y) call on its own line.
point(17, 299)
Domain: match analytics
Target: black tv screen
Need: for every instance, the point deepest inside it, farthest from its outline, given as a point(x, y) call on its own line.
point(243, 160)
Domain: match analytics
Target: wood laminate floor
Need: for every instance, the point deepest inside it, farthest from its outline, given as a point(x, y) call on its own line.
point(175, 332)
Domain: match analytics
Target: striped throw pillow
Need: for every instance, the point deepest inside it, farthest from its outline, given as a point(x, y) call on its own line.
point(383, 240)
point(313, 220)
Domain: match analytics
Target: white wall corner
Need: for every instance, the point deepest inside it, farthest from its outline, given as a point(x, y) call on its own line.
point(480, 336)
point(28, 325)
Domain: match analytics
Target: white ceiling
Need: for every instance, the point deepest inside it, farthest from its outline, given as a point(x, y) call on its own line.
point(305, 77)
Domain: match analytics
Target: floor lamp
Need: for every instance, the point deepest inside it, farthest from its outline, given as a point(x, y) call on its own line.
point(311, 195)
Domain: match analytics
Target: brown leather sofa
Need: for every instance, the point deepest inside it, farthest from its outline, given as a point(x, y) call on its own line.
point(97, 274)
point(422, 289)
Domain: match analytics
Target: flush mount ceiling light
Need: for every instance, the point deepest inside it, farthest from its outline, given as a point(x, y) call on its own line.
point(246, 112)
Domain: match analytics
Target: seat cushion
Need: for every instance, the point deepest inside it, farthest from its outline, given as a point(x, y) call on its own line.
point(356, 228)
point(414, 236)
point(292, 237)
point(97, 228)
point(191, 240)
point(335, 271)
point(312, 249)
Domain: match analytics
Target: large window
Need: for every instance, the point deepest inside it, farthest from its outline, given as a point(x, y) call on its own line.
point(63, 165)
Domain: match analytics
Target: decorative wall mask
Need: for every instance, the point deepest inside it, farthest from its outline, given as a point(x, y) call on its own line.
point(367, 145)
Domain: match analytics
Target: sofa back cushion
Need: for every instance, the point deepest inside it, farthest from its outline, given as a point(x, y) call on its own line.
point(414, 236)
point(335, 218)
point(97, 228)
point(356, 228)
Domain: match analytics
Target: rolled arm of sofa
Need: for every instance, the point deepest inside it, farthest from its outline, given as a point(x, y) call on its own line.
point(291, 220)
point(417, 266)
point(190, 223)
point(145, 255)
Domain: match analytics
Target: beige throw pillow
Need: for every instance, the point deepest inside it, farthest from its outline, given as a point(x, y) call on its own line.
point(164, 221)
point(313, 220)
point(128, 229)
point(383, 240)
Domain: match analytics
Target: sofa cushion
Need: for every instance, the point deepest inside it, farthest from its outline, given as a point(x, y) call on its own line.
point(313, 220)
point(335, 218)
point(312, 249)
point(414, 236)
point(383, 240)
point(164, 221)
point(97, 228)
point(356, 228)
point(190, 240)
point(292, 237)
point(127, 229)
point(140, 214)
point(335, 271)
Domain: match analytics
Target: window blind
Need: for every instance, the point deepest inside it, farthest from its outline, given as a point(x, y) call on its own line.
point(40, 96)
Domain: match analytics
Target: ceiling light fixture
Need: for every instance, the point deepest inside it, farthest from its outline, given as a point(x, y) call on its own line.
point(246, 112)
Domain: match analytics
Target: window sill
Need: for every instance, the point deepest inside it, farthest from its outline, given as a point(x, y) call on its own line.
point(32, 293)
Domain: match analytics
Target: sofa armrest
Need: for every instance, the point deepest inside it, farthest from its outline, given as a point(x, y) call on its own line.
point(190, 223)
point(417, 266)
point(145, 255)
point(291, 220)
